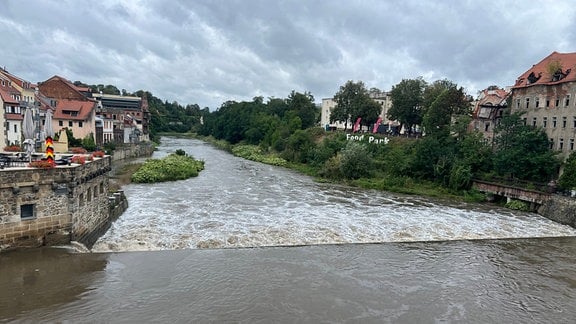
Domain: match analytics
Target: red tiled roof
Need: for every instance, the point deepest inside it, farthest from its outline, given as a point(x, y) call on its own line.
point(539, 74)
point(82, 107)
point(5, 93)
point(14, 117)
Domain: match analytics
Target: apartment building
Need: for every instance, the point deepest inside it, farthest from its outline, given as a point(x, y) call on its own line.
point(544, 94)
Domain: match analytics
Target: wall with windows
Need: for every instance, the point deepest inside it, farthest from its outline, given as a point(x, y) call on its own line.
point(55, 206)
point(551, 107)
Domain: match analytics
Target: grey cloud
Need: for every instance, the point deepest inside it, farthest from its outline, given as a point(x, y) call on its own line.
point(207, 52)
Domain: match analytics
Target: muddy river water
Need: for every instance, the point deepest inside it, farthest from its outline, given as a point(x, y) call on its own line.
point(251, 243)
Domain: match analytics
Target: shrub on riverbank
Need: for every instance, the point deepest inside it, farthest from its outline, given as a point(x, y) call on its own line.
point(171, 168)
point(254, 153)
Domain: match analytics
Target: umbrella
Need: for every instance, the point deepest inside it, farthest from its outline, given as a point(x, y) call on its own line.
point(48, 130)
point(28, 129)
point(49, 133)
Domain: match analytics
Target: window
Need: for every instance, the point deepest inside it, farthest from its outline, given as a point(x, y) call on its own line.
point(567, 101)
point(527, 102)
point(561, 144)
point(551, 144)
point(81, 200)
point(60, 123)
point(547, 103)
point(524, 120)
point(573, 122)
point(95, 191)
point(571, 144)
point(27, 211)
point(537, 102)
point(553, 122)
point(89, 195)
point(70, 123)
point(486, 127)
point(544, 122)
point(534, 121)
point(15, 128)
point(564, 121)
point(557, 102)
point(80, 124)
point(517, 103)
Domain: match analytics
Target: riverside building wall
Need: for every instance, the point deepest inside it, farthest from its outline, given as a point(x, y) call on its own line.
point(56, 206)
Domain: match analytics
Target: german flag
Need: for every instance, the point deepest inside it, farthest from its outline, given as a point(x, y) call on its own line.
point(50, 150)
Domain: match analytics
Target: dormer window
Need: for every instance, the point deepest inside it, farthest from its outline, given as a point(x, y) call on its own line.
point(533, 78)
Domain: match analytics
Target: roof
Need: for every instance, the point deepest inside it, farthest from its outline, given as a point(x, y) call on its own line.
point(493, 98)
point(19, 81)
point(81, 107)
point(78, 90)
point(13, 116)
point(6, 93)
point(563, 64)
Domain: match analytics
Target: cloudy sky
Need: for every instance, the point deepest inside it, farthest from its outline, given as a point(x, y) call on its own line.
point(210, 51)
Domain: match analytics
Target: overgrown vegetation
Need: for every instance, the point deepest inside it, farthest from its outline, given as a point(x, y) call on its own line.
point(173, 167)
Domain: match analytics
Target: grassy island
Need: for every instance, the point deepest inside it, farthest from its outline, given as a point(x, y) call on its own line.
point(176, 166)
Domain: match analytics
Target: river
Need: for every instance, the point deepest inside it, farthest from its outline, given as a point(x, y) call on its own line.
point(250, 243)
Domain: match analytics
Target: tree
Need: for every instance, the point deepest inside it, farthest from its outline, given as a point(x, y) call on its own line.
point(303, 105)
point(449, 102)
point(407, 99)
point(568, 178)
point(350, 100)
point(522, 151)
point(369, 111)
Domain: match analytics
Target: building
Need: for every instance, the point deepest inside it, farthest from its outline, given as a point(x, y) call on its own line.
point(381, 97)
point(124, 118)
point(544, 95)
point(75, 110)
point(28, 93)
point(12, 113)
point(488, 110)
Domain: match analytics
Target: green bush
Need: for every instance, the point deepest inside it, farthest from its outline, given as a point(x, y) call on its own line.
point(88, 143)
point(331, 168)
point(356, 161)
point(460, 177)
point(518, 205)
point(171, 168)
point(254, 153)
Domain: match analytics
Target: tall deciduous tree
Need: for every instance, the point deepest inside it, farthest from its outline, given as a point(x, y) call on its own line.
point(350, 100)
point(407, 100)
point(448, 103)
point(303, 105)
point(522, 151)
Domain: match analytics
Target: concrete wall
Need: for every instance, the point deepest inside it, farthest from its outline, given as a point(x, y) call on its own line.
point(66, 203)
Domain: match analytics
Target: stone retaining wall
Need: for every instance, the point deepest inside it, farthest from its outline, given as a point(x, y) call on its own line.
point(560, 209)
point(130, 151)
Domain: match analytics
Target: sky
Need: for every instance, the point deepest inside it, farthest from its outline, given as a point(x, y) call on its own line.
point(207, 52)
